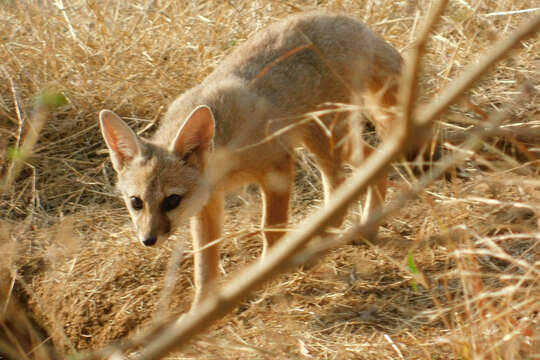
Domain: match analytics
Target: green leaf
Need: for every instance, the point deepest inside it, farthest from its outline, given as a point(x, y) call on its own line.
point(14, 153)
point(52, 99)
point(413, 269)
point(76, 356)
point(412, 265)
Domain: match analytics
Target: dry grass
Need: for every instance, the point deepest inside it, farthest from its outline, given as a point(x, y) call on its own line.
point(73, 272)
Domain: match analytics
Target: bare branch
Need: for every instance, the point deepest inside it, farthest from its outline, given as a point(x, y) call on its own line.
point(409, 83)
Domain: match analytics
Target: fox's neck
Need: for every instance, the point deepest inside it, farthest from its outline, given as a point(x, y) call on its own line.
point(232, 104)
point(175, 117)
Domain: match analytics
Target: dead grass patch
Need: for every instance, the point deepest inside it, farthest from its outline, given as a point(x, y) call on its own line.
point(73, 272)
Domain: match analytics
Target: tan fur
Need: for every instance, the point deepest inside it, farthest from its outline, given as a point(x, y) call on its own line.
point(301, 64)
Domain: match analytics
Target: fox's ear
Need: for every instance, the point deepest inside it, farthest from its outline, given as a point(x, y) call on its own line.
point(196, 136)
point(122, 142)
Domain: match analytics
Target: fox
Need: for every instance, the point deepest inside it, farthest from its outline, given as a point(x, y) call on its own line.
point(241, 125)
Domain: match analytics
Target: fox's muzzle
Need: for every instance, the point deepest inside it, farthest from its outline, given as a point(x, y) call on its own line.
point(160, 227)
point(150, 241)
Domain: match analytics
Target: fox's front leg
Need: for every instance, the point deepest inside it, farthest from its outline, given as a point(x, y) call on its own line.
point(205, 228)
point(276, 187)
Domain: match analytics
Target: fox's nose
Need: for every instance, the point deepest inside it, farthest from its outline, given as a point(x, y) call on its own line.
point(149, 241)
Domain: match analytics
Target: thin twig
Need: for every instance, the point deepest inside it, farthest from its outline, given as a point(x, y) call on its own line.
point(409, 83)
point(20, 117)
point(457, 87)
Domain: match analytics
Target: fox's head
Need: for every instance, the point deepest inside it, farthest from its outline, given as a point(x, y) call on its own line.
point(161, 185)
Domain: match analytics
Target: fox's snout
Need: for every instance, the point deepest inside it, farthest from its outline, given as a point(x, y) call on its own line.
point(154, 230)
point(149, 241)
point(152, 238)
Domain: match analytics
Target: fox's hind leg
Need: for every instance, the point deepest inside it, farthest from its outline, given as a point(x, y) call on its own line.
point(329, 158)
point(381, 101)
point(332, 152)
point(375, 196)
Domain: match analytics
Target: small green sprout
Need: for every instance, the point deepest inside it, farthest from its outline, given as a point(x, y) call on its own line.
point(52, 99)
point(413, 270)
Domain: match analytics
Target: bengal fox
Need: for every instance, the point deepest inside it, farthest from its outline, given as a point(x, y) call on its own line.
point(241, 125)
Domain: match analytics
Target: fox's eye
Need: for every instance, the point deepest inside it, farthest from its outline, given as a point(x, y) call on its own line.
point(171, 202)
point(136, 203)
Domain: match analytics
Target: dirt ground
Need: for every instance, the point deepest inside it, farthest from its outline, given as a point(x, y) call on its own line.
point(344, 306)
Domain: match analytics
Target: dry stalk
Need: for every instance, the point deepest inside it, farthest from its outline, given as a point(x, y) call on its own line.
point(25, 149)
point(501, 49)
point(409, 84)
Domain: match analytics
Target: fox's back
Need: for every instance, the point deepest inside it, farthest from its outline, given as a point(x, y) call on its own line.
point(287, 69)
point(306, 59)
